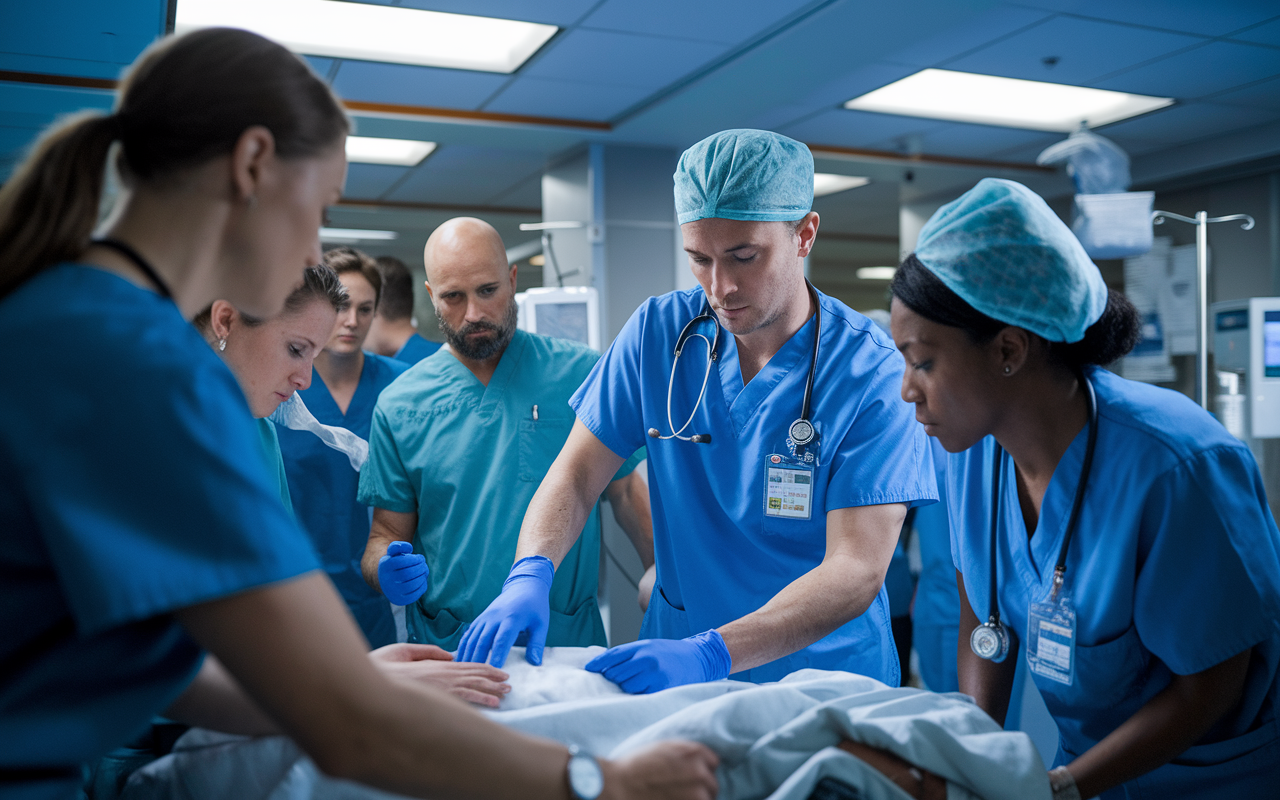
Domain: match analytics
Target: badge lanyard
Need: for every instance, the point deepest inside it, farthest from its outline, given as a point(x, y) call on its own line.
point(1051, 622)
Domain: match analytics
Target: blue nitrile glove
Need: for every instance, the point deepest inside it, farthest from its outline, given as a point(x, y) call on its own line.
point(402, 573)
point(521, 612)
point(651, 665)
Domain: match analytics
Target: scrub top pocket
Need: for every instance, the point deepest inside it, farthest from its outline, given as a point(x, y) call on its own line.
point(1109, 677)
point(540, 442)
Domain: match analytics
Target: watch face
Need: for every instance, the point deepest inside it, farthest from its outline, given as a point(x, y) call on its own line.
point(585, 777)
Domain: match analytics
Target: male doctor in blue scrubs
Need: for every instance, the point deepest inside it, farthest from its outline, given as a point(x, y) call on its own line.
point(771, 552)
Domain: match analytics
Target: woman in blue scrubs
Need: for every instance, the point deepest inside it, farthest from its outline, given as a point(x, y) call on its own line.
point(1150, 624)
point(343, 390)
point(138, 525)
point(272, 358)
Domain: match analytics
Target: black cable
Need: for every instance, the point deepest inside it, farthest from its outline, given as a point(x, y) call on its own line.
point(139, 262)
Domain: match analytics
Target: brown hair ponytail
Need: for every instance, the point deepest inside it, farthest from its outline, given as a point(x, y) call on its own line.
point(49, 206)
point(185, 101)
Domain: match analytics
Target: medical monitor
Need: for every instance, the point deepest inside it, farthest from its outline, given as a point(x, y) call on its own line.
point(569, 312)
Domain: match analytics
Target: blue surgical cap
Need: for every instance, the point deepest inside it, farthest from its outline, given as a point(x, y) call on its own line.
point(1003, 250)
point(745, 174)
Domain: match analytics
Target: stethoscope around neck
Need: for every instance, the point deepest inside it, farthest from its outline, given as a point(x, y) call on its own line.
point(802, 431)
point(990, 640)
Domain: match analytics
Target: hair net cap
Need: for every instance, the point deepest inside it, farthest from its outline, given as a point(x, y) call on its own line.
point(745, 174)
point(1003, 250)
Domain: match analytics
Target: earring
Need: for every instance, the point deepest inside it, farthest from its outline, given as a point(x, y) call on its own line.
point(222, 345)
point(1007, 369)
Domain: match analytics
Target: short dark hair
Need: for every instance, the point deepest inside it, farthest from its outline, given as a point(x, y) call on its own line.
point(397, 289)
point(1114, 334)
point(349, 259)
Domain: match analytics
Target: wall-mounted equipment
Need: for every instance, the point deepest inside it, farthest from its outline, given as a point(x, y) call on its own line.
point(1246, 353)
point(569, 312)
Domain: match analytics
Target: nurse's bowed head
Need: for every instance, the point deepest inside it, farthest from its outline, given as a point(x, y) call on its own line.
point(998, 312)
point(272, 358)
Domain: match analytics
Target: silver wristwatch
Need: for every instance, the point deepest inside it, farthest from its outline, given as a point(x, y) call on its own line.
point(1063, 784)
point(586, 779)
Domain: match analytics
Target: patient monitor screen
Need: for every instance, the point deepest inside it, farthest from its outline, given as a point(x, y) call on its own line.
point(1271, 343)
point(569, 321)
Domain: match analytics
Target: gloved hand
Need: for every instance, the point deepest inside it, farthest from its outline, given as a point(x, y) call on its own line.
point(402, 573)
point(522, 610)
point(651, 665)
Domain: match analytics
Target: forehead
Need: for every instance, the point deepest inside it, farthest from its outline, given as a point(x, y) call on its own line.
point(909, 328)
point(357, 285)
point(714, 234)
point(467, 268)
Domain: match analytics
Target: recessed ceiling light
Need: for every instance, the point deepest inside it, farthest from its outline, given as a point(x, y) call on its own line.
point(986, 99)
point(401, 152)
point(830, 183)
point(374, 32)
point(341, 235)
point(875, 273)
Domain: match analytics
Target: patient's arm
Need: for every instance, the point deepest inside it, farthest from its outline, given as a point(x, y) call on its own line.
point(916, 782)
point(860, 543)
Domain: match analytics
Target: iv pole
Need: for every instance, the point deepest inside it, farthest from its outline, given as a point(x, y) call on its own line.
point(1202, 221)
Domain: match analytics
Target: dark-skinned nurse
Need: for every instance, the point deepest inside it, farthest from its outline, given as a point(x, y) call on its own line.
point(1151, 630)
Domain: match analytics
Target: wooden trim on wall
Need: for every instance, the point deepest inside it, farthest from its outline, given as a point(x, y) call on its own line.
point(445, 207)
point(820, 150)
point(396, 109)
point(43, 79)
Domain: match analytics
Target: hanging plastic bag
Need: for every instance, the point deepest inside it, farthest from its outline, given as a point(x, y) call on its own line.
point(1110, 221)
point(1096, 164)
point(294, 414)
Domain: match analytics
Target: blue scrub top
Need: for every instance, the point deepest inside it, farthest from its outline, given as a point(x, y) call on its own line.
point(1174, 568)
point(468, 458)
point(323, 486)
point(415, 349)
point(719, 557)
point(132, 484)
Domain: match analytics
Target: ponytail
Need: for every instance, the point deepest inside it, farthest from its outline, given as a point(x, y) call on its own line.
point(184, 102)
point(48, 208)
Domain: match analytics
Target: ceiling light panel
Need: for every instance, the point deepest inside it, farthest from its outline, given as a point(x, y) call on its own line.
point(1011, 102)
point(400, 152)
point(875, 273)
point(355, 235)
point(825, 183)
point(376, 33)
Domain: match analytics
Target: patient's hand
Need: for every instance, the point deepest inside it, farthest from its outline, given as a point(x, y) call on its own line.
point(912, 780)
point(673, 770)
point(476, 683)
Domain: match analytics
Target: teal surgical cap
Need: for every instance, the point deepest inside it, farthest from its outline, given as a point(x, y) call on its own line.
point(1003, 250)
point(745, 174)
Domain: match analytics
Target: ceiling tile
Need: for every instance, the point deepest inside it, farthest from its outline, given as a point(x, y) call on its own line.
point(978, 30)
point(1264, 94)
point(1190, 16)
point(110, 31)
point(551, 12)
point(1267, 33)
point(1184, 123)
point(565, 99)
point(621, 59)
point(466, 175)
point(1209, 69)
point(1086, 50)
point(963, 140)
point(726, 21)
point(322, 66)
point(371, 181)
point(844, 128)
point(525, 194)
point(24, 105)
point(375, 82)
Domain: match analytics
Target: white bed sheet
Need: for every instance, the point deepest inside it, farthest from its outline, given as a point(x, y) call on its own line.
point(775, 741)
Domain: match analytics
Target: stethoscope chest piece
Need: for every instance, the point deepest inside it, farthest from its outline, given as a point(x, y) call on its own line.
point(990, 640)
point(802, 432)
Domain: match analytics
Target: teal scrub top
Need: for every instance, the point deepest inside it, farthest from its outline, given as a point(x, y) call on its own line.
point(131, 485)
point(269, 440)
point(720, 552)
point(325, 486)
point(1174, 567)
point(468, 459)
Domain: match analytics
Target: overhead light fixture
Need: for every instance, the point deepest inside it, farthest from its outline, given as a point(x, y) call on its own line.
point(374, 32)
point(345, 235)
point(400, 152)
point(875, 273)
point(825, 183)
point(537, 261)
point(1011, 102)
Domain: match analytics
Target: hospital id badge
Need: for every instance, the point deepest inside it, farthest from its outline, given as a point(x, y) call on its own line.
point(788, 488)
point(1051, 638)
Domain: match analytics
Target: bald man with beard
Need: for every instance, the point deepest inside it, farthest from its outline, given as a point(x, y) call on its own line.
point(460, 444)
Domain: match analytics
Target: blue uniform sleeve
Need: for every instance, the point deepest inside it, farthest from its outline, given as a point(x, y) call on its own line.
point(608, 401)
point(1209, 585)
point(384, 482)
point(151, 491)
point(884, 457)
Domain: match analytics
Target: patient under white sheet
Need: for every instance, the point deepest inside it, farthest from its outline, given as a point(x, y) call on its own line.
point(775, 741)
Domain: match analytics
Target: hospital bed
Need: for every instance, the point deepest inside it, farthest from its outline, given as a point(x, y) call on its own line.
point(777, 741)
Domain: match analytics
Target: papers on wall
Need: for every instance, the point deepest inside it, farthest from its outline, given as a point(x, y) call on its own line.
point(1161, 284)
point(1178, 301)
